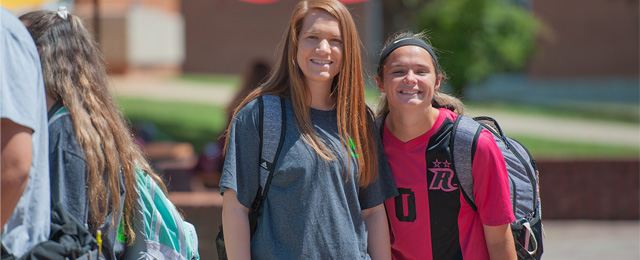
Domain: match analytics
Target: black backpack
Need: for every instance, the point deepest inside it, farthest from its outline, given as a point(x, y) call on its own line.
point(523, 180)
point(68, 239)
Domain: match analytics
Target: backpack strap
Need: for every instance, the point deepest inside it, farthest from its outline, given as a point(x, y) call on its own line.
point(272, 122)
point(380, 123)
point(464, 134)
point(56, 110)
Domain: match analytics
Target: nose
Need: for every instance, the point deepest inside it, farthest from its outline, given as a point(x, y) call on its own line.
point(410, 78)
point(323, 46)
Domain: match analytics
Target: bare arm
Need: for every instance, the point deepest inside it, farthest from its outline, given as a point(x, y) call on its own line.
point(235, 222)
point(15, 163)
point(378, 232)
point(500, 242)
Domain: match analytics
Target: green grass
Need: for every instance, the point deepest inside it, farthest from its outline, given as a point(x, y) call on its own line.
point(216, 80)
point(178, 121)
point(552, 149)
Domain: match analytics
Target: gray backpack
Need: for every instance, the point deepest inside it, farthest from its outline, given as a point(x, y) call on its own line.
point(523, 180)
point(272, 124)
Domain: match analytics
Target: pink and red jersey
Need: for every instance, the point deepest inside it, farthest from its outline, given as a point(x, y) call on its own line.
point(430, 219)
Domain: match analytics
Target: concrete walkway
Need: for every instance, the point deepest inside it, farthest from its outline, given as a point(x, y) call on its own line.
point(591, 240)
point(167, 88)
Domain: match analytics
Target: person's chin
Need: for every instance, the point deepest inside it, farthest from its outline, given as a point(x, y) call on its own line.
point(413, 102)
point(418, 97)
point(320, 76)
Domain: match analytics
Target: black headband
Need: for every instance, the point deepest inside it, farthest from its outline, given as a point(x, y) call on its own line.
point(404, 42)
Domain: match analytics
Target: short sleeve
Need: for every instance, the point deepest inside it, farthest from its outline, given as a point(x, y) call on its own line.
point(22, 79)
point(241, 166)
point(384, 186)
point(491, 183)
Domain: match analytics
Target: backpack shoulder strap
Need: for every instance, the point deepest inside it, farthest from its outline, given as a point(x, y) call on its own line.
point(165, 233)
point(56, 110)
point(380, 124)
point(464, 137)
point(272, 122)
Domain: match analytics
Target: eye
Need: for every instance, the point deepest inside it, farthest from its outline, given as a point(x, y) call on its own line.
point(312, 37)
point(336, 40)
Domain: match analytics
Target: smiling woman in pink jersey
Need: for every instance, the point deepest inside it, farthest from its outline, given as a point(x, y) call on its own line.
point(430, 219)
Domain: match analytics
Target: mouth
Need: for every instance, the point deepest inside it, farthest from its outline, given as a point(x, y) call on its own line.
point(321, 62)
point(410, 92)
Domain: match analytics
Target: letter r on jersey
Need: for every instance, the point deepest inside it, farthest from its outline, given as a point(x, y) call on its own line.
point(442, 180)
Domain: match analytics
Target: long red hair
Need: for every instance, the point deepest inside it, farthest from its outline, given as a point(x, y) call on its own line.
point(287, 81)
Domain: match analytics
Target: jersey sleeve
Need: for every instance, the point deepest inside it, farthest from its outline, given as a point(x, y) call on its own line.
point(491, 183)
point(384, 186)
point(241, 166)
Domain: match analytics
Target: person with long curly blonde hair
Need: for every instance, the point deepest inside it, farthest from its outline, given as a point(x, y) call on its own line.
point(93, 157)
point(331, 178)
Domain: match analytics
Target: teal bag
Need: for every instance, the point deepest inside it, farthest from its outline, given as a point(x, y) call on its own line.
point(161, 232)
point(166, 234)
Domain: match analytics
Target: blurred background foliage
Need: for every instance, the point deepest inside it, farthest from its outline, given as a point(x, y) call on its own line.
point(477, 38)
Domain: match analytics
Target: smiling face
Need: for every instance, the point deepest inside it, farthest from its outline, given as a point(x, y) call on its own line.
point(319, 53)
point(409, 78)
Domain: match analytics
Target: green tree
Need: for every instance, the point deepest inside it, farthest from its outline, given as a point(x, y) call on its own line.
point(476, 38)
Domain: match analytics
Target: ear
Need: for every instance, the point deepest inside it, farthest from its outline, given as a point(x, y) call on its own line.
point(379, 84)
point(438, 81)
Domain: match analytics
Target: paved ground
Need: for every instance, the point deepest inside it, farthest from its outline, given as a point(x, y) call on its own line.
point(565, 240)
point(591, 240)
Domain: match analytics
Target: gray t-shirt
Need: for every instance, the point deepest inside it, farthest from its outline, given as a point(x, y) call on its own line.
point(313, 209)
point(22, 100)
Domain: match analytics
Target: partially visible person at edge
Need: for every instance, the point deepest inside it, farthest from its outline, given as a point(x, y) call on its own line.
point(323, 203)
point(26, 217)
point(92, 156)
point(430, 219)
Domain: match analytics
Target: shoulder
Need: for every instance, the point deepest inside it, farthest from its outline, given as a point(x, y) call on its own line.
point(22, 74)
point(486, 138)
point(61, 124)
point(487, 146)
point(11, 25)
point(247, 120)
point(16, 38)
point(62, 135)
point(249, 112)
point(446, 113)
point(468, 128)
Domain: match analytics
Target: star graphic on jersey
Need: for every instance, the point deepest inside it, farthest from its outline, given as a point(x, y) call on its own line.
point(446, 164)
point(436, 164)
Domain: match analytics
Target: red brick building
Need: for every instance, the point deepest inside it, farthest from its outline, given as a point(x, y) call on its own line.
point(226, 36)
